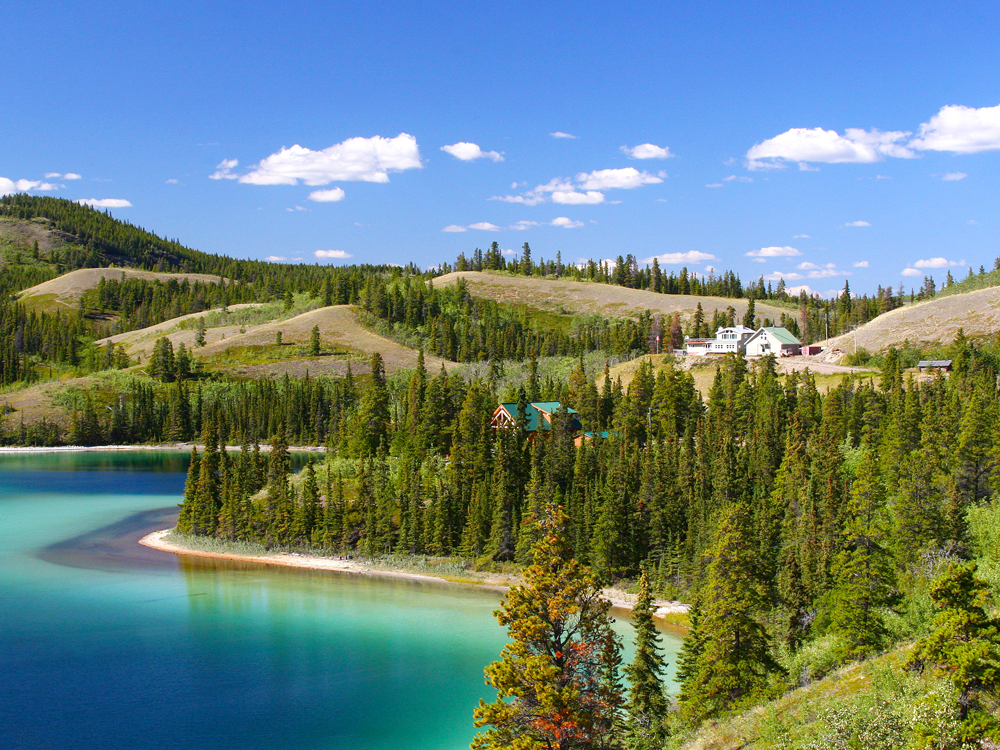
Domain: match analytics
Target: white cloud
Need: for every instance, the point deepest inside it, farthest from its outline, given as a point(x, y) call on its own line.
point(691, 256)
point(797, 290)
point(606, 179)
point(938, 263)
point(508, 251)
point(560, 134)
point(59, 176)
point(453, 228)
point(778, 275)
point(470, 152)
point(72, 176)
point(7, 187)
point(882, 177)
point(53, 175)
point(104, 202)
point(224, 170)
point(806, 167)
point(327, 196)
point(296, 208)
point(961, 130)
point(801, 237)
point(954, 176)
point(824, 273)
point(342, 254)
point(171, 181)
point(759, 260)
point(806, 265)
point(572, 197)
point(972, 221)
point(566, 223)
point(714, 185)
point(861, 264)
point(275, 258)
point(857, 224)
point(648, 151)
point(737, 178)
point(828, 147)
point(911, 272)
point(484, 226)
point(523, 224)
point(774, 252)
point(364, 159)
point(586, 188)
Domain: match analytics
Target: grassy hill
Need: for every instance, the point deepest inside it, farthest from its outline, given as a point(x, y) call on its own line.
point(586, 297)
point(66, 291)
point(242, 341)
point(924, 325)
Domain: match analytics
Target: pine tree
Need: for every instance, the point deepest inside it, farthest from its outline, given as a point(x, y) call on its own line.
point(557, 678)
point(647, 705)
point(314, 341)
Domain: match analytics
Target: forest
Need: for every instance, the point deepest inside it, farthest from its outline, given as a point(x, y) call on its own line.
point(836, 513)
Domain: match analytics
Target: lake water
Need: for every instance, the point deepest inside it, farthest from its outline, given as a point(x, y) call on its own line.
point(107, 644)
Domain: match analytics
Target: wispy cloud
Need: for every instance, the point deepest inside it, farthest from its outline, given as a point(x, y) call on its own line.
point(560, 134)
point(691, 256)
point(224, 170)
point(737, 178)
point(801, 237)
point(566, 223)
point(470, 152)
point(857, 224)
point(484, 226)
point(454, 228)
point(339, 254)
point(171, 181)
point(105, 202)
point(585, 188)
point(275, 258)
point(954, 176)
point(774, 252)
point(861, 264)
point(938, 263)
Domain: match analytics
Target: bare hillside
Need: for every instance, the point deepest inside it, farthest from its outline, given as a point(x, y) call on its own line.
point(924, 324)
point(67, 289)
point(582, 297)
point(339, 327)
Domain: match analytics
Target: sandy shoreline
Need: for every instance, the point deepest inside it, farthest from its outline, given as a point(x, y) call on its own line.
point(156, 540)
point(186, 447)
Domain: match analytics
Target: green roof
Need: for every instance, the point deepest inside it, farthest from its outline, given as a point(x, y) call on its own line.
point(783, 335)
point(534, 413)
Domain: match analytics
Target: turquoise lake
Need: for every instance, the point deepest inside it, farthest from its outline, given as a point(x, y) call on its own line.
point(107, 644)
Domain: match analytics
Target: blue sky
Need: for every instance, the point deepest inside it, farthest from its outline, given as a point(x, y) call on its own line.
point(855, 141)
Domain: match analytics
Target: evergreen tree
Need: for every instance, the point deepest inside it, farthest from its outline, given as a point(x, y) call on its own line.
point(733, 660)
point(964, 647)
point(556, 680)
point(647, 705)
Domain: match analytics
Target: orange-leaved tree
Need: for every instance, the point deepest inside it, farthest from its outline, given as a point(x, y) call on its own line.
point(557, 680)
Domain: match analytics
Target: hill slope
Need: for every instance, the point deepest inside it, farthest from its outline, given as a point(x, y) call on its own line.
point(585, 297)
point(66, 290)
point(245, 353)
point(924, 324)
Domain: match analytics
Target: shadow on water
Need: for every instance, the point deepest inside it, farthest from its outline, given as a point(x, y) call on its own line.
point(116, 547)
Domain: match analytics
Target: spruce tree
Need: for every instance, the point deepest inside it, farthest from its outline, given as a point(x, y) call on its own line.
point(964, 647)
point(647, 705)
point(730, 661)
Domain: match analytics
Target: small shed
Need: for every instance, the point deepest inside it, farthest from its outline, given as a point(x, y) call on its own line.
point(811, 349)
point(934, 365)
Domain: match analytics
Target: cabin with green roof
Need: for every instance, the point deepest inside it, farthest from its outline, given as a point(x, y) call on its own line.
point(773, 340)
point(538, 417)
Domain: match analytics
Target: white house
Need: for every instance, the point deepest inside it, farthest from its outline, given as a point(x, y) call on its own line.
point(731, 339)
point(773, 340)
point(727, 340)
